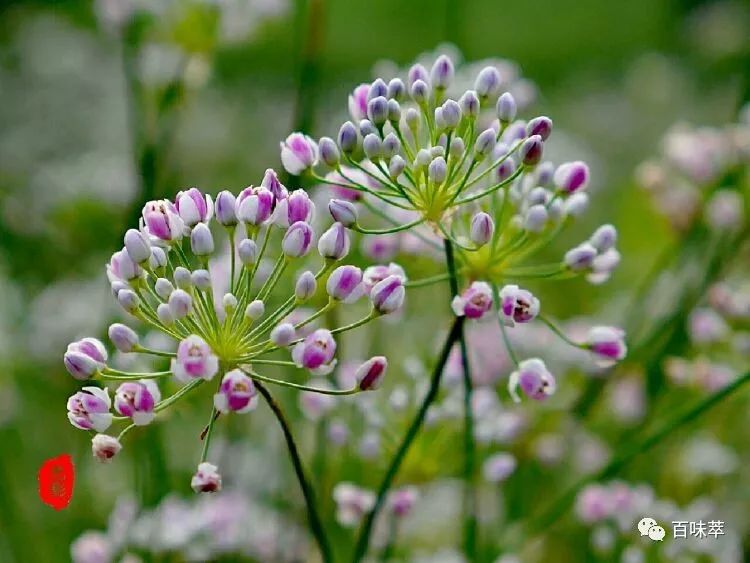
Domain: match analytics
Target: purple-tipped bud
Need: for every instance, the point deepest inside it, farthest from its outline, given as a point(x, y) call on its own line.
point(388, 295)
point(334, 243)
point(581, 257)
point(437, 170)
point(283, 334)
point(536, 219)
point(541, 126)
point(194, 207)
point(201, 240)
point(123, 267)
point(358, 102)
point(474, 302)
point(226, 213)
point(441, 74)
point(136, 400)
point(506, 108)
point(469, 104)
point(329, 152)
point(297, 240)
point(348, 138)
point(576, 205)
point(158, 258)
point(164, 314)
point(402, 501)
point(534, 379)
point(538, 196)
point(206, 479)
point(201, 279)
point(396, 89)
point(391, 146)
point(544, 174)
point(394, 112)
point(396, 166)
point(505, 169)
point(482, 228)
point(104, 448)
point(272, 183)
point(451, 114)
point(299, 153)
point(306, 286)
point(343, 212)
point(377, 110)
point(372, 146)
point(531, 150)
point(417, 72)
point(297, 207)
point(255, 310)
point(162, 220)
point(117, 286)
point(484, 144)
point(487, 82)
point(137, 246)
point(89, 409)
point(123, 337)
point(367, 127)
point(183, 279)
point(254, 205)
point(247, 250)
point(377, 89)
point(517, 305)
point(369, 375)
point(343, 282)
point(128, 300)
point(85, 358)
point(607, 343)
point(420, 92)
point(572, 176)
point(604, 238)
point(194, 360)
point(316, 352)
point(180, 303)
point(236, 393)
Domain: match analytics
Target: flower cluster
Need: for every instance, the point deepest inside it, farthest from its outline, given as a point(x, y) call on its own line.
point(227, 325)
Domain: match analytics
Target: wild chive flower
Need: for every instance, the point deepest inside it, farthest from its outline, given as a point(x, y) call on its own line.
point(226, 321)
point(352, 503)
point(533, 378)
point(474, 302)
point(105, 447)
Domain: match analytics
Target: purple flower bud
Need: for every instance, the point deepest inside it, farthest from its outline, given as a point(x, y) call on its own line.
point(517, 305)
point(164, 313)
point(441, 74)
point(499, 467)
point(194, 360)
point(487, 82)
point(193, 207)
point(123, 337)
point(396, 167)
point(370, 374)
point(603, 265)
point(377, 89)
point(437, 171)
point(180, 303)
point(247, 250)
point(396, 89)
point(283, 335)
point(236, 394)
point(343, 212)
point(394, 112)
point(254, 205)
point(117, 286)
point(158, 259)
point(201, 240)
point(402, 501)
point(482, 228)
point(348, 138)
point(352, 503)
point(581, 257)
point(576, 205)
point(391, 146)
point(201, 279)
point(358, 102)
point(388, 295)
point(474, 302)
point(451, 114)
point(162, 220)
point(334, 243)
point(128, 300)
point(297, 240)
point(457, 148)
point(571, 176)
point(469, 104)
point(89, 409)
point(506, 108)
point(377, 110)
point(299, 153)
point(607, 344)
point(306, 286)
point(272, 183)
point(123, 267)
point(183, 278)
point(316, 352)
point(255, 310)
point(206, 479)
point(416, 72)
point(297, 207)
point(505, 170)
point(372, 146)
point(420, 92)
point(104, 448)
point(541, 126)
point(85, 358)
point(536, 218)
point(604, 238)
point(531, 150)
point(484, 144)
point(329, 152)
point(226, 213)
point(137, 246)
point(136, 400)
point(544, 173)
point(534, 379)
point(375, 274)
point(343, 282)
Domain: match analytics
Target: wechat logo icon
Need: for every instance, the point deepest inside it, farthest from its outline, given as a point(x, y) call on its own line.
point(649, 527)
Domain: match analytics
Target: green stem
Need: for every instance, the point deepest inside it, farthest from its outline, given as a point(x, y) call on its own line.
point(258, 377)
point(427, 281)
point(397, 229)
point(178, 395)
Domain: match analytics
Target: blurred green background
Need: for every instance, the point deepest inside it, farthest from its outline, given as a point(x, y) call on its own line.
point(85, 139)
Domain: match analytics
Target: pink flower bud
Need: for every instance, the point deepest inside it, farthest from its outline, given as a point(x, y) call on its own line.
point(388, 295)
point(162, 220)
point(581, 257)
point(201, 240)
point(517, 305)
point(297, 240)
point(316, 352)
point(194, 207)
point(370, 374)
point(607, 344)
point(194, 360)
point(541, 126)
point(487, 82)
point(254, 205)
point(571, 176)
point(297, 207)
point(237, 393)
point(137, 246)
point(283, 334)
point(123, 337)
point(375, 274)
point(531, 150)
point(306, 286)
point(358, 102)
point(534, 379)
point(402, 501)
point(604, 238)
point(180, 303)
point(226, 209)
point(136, 400)
point(441, 74)
point(482, 228)
point(89, 409)
point(506, 108)
point(343, 282)
point(271, 182)
point(123, 267)
point(298, 153)
point(474, 301)
point(334, 243)
point(85, 358)
point(206, 479)
point(343, 212)
point(105, 447)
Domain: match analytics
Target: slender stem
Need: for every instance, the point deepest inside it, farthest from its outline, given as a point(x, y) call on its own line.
point(206, 436)
point(554, 328)
point(109, 373)
point(363, 539)
point(316, 525)
point(258, 377)
point(143, 350)
point(427, 281)
point(178, 394)
point(396, 229)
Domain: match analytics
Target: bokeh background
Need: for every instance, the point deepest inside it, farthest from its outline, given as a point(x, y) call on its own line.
point(104, 105)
